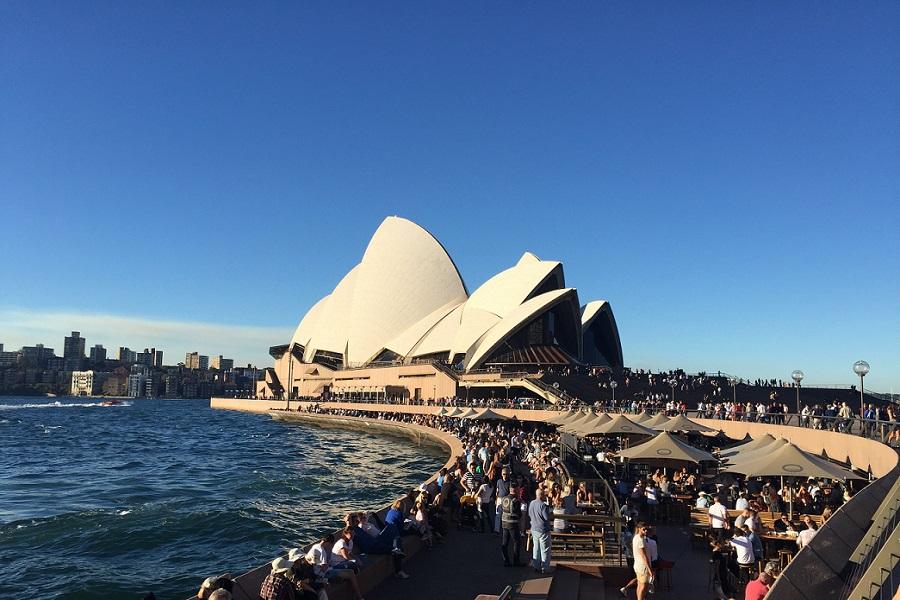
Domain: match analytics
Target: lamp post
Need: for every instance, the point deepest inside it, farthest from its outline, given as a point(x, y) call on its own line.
point(466, 385)
point(861, 368)
point(507, 392)
point(290, 375)
point(613, 385)
point(797, 376)
point(733, 382)
point(672, 384)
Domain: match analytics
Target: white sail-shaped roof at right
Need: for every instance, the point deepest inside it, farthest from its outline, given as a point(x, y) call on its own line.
point(515, 320)
point(497, 297)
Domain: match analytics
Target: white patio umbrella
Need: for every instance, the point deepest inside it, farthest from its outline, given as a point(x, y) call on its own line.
point(642, 417)
point(666, 446)
point(562, 418)
point(488, 415)
point(753, 444)
point(656, 422)
point(589, 426)
point(623, 425)
point(790, 461)
point(682, 423)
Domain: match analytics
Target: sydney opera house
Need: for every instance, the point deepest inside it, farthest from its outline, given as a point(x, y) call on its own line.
point(402, 323)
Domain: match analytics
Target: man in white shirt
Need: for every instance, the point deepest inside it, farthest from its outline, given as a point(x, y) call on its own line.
point(807, 534)
point(742, 503)
point(642, 568)
point(743, 546)
point(718, 519)
point(319, 555)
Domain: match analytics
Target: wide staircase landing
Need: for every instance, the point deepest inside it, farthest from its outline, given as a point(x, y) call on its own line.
point(566, 583)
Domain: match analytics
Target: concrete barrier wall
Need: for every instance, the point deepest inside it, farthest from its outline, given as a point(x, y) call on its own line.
point(247, 405)
point(862, 453)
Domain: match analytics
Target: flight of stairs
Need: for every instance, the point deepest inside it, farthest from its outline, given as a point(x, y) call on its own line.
point(565, 583)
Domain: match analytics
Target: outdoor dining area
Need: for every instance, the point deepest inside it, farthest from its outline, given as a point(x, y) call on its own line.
point(673, 470)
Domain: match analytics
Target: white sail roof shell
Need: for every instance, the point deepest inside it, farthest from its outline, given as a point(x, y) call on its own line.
point(500, 295)
point(307, 325)
point(440, 337)
point(515, 320)
point(404, 277)
point(330, 331)
point(404, 343)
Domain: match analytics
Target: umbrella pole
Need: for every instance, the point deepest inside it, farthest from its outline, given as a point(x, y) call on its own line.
point(782, 489)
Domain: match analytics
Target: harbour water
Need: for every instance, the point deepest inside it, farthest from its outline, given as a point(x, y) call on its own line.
point(112, 502)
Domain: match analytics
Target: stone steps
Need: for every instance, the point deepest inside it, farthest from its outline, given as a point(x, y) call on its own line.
point(565, 583)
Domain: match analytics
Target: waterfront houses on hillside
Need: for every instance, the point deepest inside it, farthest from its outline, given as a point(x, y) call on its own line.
point(36, 370)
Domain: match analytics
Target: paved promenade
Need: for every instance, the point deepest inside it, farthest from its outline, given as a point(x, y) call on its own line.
point(468, 564)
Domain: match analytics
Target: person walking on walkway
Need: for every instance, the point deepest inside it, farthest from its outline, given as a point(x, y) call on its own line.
point(539, 514)
point(510, 516)
point(642, 569)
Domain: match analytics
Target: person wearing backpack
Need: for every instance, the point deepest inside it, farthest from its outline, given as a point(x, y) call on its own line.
point(510, 516)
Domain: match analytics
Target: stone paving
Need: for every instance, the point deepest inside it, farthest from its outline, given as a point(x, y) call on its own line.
point(468, 564)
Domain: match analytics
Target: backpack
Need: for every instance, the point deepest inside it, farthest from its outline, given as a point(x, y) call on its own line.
point(512, 510)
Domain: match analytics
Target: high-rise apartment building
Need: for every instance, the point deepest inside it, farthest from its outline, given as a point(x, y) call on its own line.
point(195, 361)
point(157, 358)
point(36, 356)
point(145, 358)
point(84, 383)
point(8, 359)
point(222, 364)
point(127, 356)
point(137, 381)
point(73, 351)
point(98, 354)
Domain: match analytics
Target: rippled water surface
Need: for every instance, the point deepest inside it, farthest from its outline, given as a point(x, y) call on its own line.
point(155, 495)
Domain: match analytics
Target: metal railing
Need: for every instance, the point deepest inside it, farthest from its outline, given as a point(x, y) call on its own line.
point(873, 429)
point(876, 560)
point(568, 455)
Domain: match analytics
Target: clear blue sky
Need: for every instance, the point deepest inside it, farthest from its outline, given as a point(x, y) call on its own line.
point(728, 177)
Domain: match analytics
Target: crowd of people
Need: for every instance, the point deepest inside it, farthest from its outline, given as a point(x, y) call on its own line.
point(507, 482)
point(510, 481)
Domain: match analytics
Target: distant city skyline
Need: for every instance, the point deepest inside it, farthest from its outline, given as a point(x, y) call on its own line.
point(725, 176)
point(175, 338)
point(248, 334)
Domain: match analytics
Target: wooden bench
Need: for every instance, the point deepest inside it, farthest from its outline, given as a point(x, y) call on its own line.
point(699, 523)
point(591, 544)
point(506, 594)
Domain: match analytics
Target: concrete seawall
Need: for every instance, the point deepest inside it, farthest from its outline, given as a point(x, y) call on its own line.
point(862, 453)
